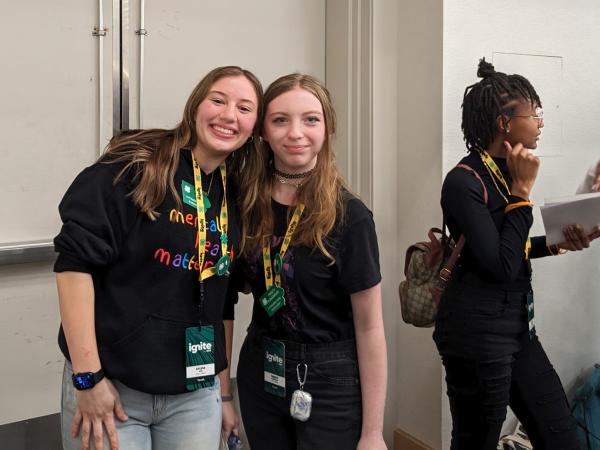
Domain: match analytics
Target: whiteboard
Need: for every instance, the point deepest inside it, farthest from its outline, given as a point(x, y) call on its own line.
point(48, 110)
point(50, 91)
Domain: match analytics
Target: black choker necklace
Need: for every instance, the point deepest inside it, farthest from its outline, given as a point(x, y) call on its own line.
point(292, 176)
point(282, 180)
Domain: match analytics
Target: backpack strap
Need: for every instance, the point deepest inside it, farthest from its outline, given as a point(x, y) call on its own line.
point(474, 172)
point(446, 271)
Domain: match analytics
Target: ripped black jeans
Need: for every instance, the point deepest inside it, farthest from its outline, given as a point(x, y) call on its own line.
point(491, 363)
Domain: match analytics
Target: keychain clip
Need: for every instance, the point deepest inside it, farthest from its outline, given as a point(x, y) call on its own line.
point(301, 403)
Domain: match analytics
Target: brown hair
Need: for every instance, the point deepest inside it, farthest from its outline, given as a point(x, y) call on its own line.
point(321, 193)
point(153, 155)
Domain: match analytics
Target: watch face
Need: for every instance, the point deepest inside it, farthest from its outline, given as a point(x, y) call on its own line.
point(84, 380)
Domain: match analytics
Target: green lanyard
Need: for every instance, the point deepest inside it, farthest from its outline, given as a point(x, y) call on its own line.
point(496, 174)
point(279, 256)
point(224, 262)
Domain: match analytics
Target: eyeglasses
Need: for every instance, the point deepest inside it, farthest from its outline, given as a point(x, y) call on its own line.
point(539, 115)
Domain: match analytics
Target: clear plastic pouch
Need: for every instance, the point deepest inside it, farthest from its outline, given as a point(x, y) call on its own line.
point(301, 405)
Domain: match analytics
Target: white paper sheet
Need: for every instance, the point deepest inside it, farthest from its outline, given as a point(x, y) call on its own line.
point(557, 213)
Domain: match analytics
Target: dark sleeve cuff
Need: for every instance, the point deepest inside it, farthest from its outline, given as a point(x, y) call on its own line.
point(539, 249)
point(516, 199)
point(229, 312)
point(363, 285)
point(231, 298)
point(68, 263)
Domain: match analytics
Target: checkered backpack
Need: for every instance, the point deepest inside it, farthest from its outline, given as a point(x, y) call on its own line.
point(427, 268)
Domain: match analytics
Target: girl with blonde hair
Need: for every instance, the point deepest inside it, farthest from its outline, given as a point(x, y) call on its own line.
point(312, 370)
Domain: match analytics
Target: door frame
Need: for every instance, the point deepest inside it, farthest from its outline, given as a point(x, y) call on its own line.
point(349, 76)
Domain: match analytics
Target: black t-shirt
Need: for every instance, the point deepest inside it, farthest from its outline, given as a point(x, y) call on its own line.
point(145, 273)
point(495, 241)
point(317, 293)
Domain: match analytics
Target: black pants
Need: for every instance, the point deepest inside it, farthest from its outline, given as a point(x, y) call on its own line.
point(491, 363)
point(332, 380)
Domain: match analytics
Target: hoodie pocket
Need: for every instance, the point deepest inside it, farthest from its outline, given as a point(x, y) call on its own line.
point(151, 358)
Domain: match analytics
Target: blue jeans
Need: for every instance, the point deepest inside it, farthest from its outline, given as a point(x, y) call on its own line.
point(332, 380)
point(158, 422)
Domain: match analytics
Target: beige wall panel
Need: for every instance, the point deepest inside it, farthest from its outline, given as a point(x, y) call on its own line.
point(407, 173)
point(187, 39)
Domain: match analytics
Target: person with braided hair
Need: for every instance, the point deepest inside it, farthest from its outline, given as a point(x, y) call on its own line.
point(485, 330)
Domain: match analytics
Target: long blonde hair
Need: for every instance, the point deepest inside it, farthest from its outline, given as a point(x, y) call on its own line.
point(153, 155)
point(321, 193)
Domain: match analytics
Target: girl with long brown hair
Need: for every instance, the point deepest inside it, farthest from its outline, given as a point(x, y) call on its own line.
point(150, 233)
point(312, 370)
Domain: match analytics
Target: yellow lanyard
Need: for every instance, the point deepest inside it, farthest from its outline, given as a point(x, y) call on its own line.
point(496, 174)
point(224, 261)
point(284, 246)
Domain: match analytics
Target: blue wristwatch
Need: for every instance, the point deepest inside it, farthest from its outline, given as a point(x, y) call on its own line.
point(87, 380)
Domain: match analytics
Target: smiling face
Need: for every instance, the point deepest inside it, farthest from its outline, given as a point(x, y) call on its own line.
point(226, 117)
point(523, 126)
point(295, 129)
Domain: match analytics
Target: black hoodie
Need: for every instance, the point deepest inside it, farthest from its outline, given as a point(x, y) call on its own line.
point(145, 273)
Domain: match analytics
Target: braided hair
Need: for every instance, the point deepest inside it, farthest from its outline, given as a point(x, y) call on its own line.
point(496, 94)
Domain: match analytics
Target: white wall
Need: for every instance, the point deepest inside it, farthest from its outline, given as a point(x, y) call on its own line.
point(566, 287)
point(32, 364)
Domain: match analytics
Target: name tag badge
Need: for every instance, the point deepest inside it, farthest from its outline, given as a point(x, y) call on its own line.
point(188, 193)
point(274, 367)
point(272, 300)
point(199, 357)
point(223, 265)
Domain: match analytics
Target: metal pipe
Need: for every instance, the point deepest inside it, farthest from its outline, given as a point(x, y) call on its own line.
point(100, 32)
point(100, 75)
point(124, 64)
point(116, 66)
point(141, 32)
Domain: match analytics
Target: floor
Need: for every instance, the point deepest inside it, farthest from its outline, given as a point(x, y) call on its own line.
point(41, 433)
